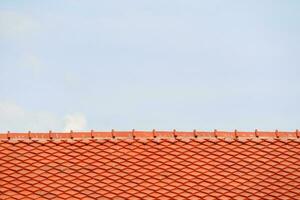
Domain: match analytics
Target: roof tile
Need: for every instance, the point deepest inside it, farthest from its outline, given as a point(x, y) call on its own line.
point(163, 165)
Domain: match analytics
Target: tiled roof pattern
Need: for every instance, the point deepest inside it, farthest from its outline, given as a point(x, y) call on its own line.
point(150, 165)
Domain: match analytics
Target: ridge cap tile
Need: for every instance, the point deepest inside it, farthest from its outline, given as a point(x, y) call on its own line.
point(140, 134)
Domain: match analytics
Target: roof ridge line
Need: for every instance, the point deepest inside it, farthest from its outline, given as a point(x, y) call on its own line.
point(137, 134)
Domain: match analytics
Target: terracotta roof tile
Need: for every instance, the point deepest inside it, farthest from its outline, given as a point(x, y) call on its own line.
point(150, 165)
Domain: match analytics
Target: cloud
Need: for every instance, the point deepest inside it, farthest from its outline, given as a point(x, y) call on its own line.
point(15, 24)
point(15, 118)
point(76, 122)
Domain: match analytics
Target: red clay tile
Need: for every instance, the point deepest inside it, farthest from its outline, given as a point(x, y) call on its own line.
point(81, 135)
point(243, 134)
point(122, 134)
point(164, 134)
point(226, 134)
point(267, 134)
point(206, 134)
point(62, 135)
point(39, 136)
point(142, 134)
point(18, 136)
point(3, 136)
point(287, 134)
point(107, 134)
point(184, 134)
point(100, 167)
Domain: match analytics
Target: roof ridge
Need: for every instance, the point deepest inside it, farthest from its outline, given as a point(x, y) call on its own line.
point(137, 134)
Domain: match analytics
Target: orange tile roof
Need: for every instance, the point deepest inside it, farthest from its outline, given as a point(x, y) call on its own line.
point(150, 165)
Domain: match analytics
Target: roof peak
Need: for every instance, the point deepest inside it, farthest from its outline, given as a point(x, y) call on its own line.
point(138, 134)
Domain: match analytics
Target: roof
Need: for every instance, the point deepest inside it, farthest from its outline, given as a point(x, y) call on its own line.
point(150, 165)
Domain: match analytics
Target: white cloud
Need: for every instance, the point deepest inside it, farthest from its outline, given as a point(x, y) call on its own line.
point(17, 119)
point(14, 24)
point(75, 122)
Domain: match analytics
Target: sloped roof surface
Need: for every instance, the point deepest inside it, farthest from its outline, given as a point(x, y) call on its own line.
point(150, 165)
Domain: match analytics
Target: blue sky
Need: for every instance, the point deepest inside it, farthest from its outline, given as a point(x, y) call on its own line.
point(149, 64)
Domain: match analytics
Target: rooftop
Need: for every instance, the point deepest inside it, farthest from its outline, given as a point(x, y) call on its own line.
point(150, 164)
